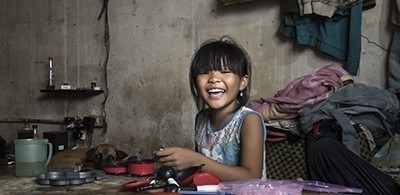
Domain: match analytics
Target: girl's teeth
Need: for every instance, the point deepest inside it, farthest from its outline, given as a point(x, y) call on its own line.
point(215, 90)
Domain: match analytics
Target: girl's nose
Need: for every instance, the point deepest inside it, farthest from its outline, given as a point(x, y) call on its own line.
point(214, 77)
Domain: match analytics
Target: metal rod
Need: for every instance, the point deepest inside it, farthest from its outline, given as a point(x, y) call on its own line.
point(16, 120)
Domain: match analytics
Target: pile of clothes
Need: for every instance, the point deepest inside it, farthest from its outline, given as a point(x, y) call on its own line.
point(330, 97)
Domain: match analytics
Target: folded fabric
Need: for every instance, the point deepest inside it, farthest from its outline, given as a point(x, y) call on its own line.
point(358, 103)
point(301, 92)
point(279, 135)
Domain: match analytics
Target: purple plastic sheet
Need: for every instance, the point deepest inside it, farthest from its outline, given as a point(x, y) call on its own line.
point(283, 187)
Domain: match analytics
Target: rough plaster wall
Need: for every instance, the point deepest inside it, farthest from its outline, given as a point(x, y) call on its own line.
point(152, 42)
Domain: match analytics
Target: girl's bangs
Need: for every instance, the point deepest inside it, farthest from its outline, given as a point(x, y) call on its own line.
point(217, 62)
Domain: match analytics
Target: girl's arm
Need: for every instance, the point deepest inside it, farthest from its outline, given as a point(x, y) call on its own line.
point(251, 155)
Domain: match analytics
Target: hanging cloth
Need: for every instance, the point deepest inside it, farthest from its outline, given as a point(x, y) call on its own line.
point(339, 36)
point(394, 53)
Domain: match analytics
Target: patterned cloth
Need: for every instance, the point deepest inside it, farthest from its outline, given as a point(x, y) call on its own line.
point(223, 145)
point(387, 159)
point(303, 91)
point(287, 160)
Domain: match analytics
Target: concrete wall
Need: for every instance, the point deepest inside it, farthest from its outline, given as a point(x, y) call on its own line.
point(151, 45)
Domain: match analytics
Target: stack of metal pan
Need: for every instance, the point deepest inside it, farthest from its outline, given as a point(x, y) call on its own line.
point(61, 178)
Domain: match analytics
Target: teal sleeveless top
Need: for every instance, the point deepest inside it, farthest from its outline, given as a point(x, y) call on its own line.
point(223, 145)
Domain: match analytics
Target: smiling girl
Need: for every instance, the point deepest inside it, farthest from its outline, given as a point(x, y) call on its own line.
point(229, 137)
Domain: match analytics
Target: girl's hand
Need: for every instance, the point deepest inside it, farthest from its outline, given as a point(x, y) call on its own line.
point(178, 158)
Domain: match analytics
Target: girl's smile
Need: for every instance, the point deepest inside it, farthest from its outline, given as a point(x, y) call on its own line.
point(219, 89)
point(216, 93)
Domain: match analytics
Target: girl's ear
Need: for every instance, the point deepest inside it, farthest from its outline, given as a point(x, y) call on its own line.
point(244, 81)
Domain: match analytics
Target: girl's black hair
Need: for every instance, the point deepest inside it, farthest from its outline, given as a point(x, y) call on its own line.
point(218, 55)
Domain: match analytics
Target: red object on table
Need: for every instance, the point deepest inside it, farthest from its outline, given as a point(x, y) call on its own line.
point(118, 168)
point(205, 178)
point(135, 184)
point(141, 167)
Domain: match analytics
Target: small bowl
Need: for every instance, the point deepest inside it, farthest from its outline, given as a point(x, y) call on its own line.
point(115, 168)
point(141, 167)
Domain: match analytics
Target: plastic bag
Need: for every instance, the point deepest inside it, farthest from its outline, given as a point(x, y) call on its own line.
point(282, 187)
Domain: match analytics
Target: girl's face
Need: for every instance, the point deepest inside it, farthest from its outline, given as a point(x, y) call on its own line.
point(219, 89)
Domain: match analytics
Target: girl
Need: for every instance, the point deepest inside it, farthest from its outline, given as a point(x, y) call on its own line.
point(229, 137)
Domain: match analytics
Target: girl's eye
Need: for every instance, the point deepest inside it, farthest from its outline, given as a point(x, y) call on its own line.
point(205, 72)
point(226, 71)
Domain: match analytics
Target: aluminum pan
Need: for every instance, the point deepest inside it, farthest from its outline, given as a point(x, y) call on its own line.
point(61, 178)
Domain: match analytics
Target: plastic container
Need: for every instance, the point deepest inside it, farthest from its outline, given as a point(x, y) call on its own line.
point(260, 187)
point(140, 167)
point(283, 187)
point(32, 156)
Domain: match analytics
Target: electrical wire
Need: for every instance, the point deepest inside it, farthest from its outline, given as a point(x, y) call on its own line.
point(104, 11)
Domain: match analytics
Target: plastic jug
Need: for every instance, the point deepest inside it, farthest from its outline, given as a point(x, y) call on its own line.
point(32, 156)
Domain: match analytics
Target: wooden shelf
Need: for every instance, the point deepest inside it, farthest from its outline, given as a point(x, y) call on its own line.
point(72, 91)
